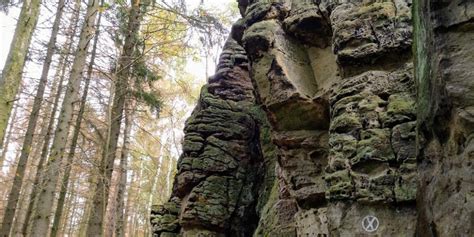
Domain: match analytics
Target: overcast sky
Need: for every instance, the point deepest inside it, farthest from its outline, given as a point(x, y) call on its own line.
point(7, 27)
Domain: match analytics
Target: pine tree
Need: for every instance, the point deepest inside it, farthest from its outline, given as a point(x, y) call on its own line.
point(41, 222)
point(28, 140)
point(120, 202)
point(13, 69)
point(51, 109)
point(96, 220)
point(75, 135)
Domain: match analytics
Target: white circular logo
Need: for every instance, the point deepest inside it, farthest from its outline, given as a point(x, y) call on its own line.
point(370, 223)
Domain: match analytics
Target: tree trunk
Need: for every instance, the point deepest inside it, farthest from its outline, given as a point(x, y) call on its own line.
point(45, 136)
point(57, 90)
point(11, 74)
point(28, 141)
point(136, 209)
point(27, 187)
point(120, 203)
point(88, 203)
point(71, 224)
point(109, 219)
point(95, 225)
point(75, 136)
point(128, 204)
point(8, 137)
point(71, 202)
point(42, 218)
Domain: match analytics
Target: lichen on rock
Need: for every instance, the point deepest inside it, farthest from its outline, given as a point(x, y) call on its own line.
point(319, 115)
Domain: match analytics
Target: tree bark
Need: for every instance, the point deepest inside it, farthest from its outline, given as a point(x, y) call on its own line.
point(71, 203)
point(128, 205)
point(42, 218)
point(75, 136)
point(110, 218)
point(135, 216)
point(8, 137)
point(120, 203)
point(11, 74)
point(47, 130)
point(88, 203)
point(28, 141)
point(27, 187)
point(96, 221)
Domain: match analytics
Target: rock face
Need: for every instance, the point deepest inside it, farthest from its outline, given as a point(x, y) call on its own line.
point(215, 189)
point(445, 72)
point(320, 121)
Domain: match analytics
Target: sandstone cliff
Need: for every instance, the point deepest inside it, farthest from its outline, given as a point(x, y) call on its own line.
point(333, 118)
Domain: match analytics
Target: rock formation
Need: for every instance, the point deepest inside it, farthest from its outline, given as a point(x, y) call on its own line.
point(320, 121)
point(444, 49)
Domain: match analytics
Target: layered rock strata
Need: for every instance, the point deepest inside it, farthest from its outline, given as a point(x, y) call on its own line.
point(216, 187)
point(314, 124)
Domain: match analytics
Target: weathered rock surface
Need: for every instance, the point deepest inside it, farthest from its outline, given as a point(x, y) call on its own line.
point(320, 119)
point(216, 188)
point(445, 72)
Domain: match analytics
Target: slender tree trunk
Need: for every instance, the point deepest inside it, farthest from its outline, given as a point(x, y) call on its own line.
point(28, 141)
point(20, 212)
point(27, 187)
point(41, 222)
point(71, 223)
point(154, 186)
point(135, 216)
point(128, 205)
point(110, 218)
point(11, 74)
point(6, 186)
point(75, 136)
point(48, 130)
point(96, 222)
point(68, 219)
point(88, 204)
point(129, 209)
point(133, 223)
point(120, 203)
point(8, 137)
